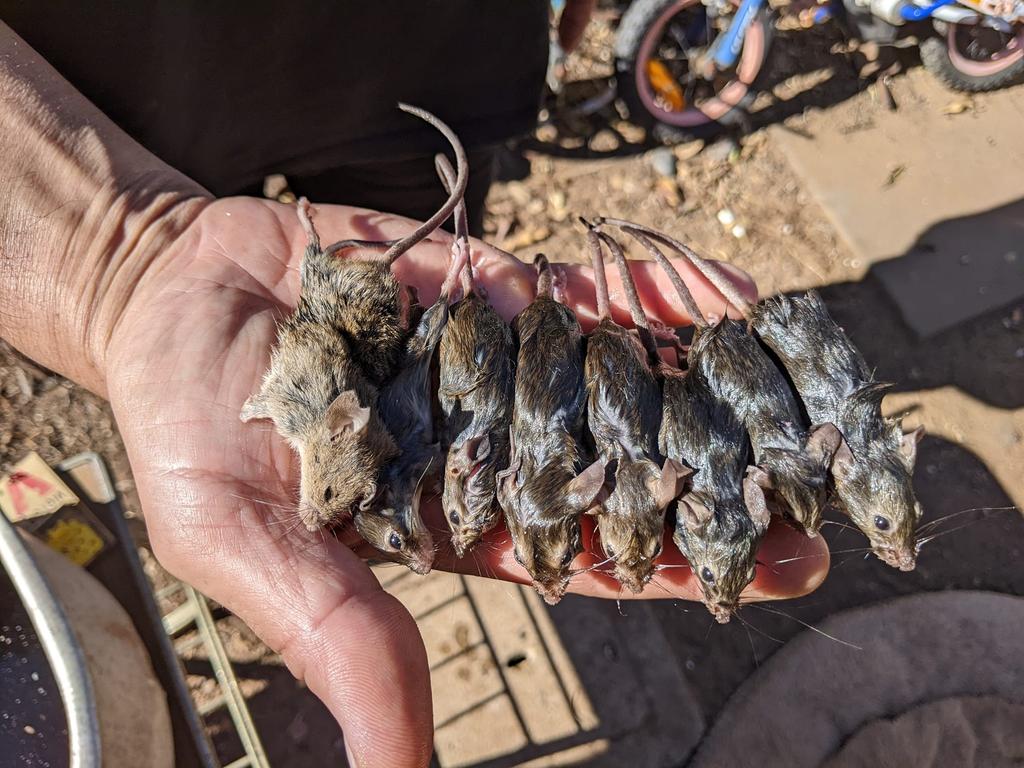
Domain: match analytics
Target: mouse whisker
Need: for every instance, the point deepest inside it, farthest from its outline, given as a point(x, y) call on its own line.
point(785, 560)
point(803, 623)
point(932, 523)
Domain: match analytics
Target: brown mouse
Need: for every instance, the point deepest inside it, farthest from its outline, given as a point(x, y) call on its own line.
point(546, 487)
point(476, 371)
point(375, 309)
point(624, 415)
point(332, 353)
point(793, 459)
point(321, 401)
point(873, 465)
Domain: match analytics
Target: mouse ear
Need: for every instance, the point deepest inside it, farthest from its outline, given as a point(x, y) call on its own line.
point(583, 490)
point(255, 408)
point(695, 513)
point(345, 414)
point(842, 459)
point(823, 441)
point(753, 495)
point(908, 446)
point(670, 483)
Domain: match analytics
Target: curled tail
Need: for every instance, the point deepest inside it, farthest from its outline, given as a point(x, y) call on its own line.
point(394, 248)
point(454, 197)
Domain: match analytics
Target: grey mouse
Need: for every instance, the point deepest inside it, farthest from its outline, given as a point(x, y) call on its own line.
point(873, 465)
point(406, 405)
point(793, 459)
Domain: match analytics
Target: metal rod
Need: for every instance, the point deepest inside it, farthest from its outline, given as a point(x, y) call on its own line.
point(59, 644)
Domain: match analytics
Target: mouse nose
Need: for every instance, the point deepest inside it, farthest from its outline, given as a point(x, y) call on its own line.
point(722, 611)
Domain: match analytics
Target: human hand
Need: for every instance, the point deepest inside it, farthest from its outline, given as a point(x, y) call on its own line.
point(192, 342)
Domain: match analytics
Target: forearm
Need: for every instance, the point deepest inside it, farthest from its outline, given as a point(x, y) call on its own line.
point(84, 210)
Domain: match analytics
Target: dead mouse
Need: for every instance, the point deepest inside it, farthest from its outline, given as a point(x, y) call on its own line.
point(342, 341)
point(476, 388)
point(543, 491)
point(873, 465)
point(406, 405)
point(374, 307)
point(721, 519)
point(320, 399)
point(624, 414)
point(792, 459)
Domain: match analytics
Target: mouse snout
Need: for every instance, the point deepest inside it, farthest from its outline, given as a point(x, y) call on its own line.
point(552, 592)
point(721, 610)
point(635, 576)
point(903, 558)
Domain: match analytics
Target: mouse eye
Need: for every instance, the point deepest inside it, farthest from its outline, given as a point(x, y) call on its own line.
point(568, 557)
point(707, 575)
point(454, 517)
point(657, 550)
point(395, 541)
point(609, 550)
point(881, 523)
point(518, 557)
point(328, 494)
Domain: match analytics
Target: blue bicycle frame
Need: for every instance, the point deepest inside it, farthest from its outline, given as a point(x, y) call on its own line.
point(725, 50)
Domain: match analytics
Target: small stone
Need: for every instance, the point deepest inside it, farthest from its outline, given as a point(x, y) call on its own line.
point(30, 730)
point(787, 229)
point(722, 150)
point(726, 217)
point(739, 231)
point(663, 161)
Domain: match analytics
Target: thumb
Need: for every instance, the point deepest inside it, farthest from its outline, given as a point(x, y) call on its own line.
point(316, 603)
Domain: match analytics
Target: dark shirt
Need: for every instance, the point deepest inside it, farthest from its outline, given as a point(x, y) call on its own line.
point(230, 91)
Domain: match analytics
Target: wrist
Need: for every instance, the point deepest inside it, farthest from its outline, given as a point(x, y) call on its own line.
point(116, 251)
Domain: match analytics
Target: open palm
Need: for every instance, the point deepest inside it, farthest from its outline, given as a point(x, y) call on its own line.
point(219, 495)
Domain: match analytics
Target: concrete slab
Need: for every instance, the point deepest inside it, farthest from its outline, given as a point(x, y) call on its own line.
point(935, 200)
point(519, 684)
point(802, 705)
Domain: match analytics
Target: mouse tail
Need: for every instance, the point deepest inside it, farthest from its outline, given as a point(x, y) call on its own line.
point(461, 250)
point(636, 308)
point(305, 212)
point(685, 296)
point(455, 196)
point(711, 271)
point(604, 311)
point(545, 279)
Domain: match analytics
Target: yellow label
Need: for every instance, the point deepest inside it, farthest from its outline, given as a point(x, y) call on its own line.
point(33, 490)
point(75, 540)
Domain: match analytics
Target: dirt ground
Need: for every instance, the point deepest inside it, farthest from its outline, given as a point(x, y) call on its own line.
point(786, 243)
